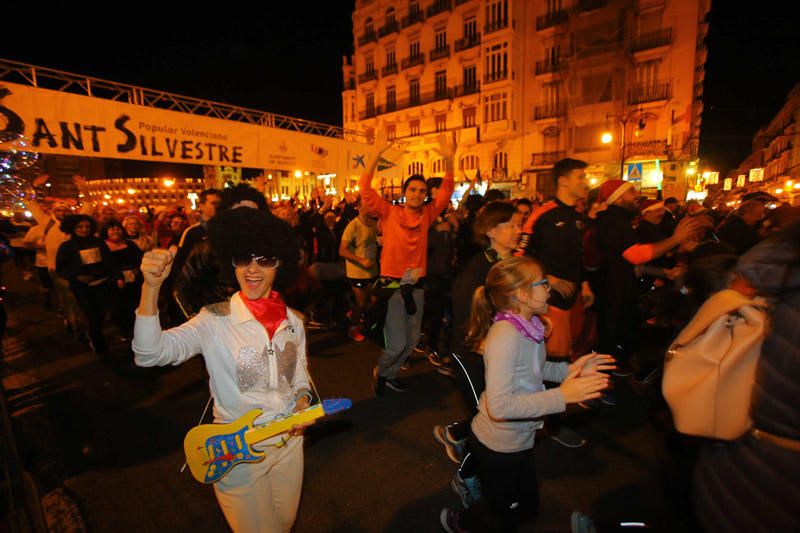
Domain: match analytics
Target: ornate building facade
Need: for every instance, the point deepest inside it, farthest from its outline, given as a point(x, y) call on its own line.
point(617, 83)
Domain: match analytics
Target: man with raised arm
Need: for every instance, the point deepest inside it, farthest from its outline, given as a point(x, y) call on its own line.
point(404, 258)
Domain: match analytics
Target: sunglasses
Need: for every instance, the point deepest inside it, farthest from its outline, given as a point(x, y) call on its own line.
point(242, 261)
point(544, 282)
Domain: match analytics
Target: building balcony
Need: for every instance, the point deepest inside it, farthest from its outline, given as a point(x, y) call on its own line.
point(368, 37)
point(496, 25)
point(465, 89)
point(642, 94)
point(548, 65)
point(543, 112)
point(440, 53)
point(646, 148)
point(652, 39)
point(438, 6)
point(467, 42)
point(388, 28)
point(444, 93)
point(551, 19)
point(412, 60)
point(388, 70)
point(412, 18)
point(349, 84)
point(495, 76)
point(369, 75)
point(459, 2)
point(546, 159)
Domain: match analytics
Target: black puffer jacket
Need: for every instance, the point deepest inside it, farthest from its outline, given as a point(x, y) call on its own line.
point(750, 484)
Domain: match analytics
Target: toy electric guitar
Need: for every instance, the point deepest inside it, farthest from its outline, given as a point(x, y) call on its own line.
point(213, 449)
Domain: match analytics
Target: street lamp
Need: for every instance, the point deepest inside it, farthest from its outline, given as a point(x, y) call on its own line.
point(606, 138)
point(623, 118)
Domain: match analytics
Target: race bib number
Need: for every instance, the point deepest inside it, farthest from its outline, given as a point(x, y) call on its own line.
point(90, 256)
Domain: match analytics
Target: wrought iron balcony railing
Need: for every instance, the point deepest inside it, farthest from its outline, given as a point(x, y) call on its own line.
point(368, 37)
point(550, 111)
point(390, 27)
point(652, 39)
point(413, 17)
point(543, 159)
point(549, 65)
point(437, 7)
point(467, 42)
point(439, 53)
point(496, 25)
point(389, 70)
point(551, 19)
point(410, 61)
point(367, 76)
point(498, 75)
point(642, 94)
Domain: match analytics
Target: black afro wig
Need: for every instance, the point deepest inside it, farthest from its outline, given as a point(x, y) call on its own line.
point(243, 231)
point(71, 222)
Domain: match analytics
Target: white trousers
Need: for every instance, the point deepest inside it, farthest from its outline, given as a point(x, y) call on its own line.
point(263, 497)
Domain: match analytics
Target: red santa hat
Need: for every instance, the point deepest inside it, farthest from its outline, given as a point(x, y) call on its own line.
point(650, 205)
point(611, 190)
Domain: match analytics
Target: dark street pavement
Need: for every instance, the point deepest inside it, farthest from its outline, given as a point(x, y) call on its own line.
point(107, 437)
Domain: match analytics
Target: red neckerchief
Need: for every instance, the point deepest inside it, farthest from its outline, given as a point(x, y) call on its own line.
point(269, 311)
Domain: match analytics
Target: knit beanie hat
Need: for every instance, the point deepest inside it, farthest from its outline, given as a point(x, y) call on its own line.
point(611, 190)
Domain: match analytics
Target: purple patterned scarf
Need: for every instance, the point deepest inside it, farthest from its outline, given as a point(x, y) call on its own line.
point(532, 330)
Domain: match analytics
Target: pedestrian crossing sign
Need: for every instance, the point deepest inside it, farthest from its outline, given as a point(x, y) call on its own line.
point(635, 172)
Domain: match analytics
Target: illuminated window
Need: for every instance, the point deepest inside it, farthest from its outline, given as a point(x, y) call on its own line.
point(414, 126)
point(438, 167)
point(441, 122)
point(500, 161)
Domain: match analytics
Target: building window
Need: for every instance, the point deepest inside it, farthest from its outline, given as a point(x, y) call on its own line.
point(415, 167)
point(470, 79)
point(469, 162)
point(369, 61)
point(438, 167)
point(370, 98)
point(368, 26)
point(413, 92)
point(647, 73)
point(391, 59)
point(551, 93)
point(390, 17)
point(414, 127)
point(553, 6)
point(441, 84)
point(500, 161)
point(413, 49)
point(496, 67)
point(441, 40)
point(391, 99)
point(413, 7)
point(441, 122)
point(470, 29)
point(495, 107)
point(468, 115)
point(497, 13)
point(391, 131)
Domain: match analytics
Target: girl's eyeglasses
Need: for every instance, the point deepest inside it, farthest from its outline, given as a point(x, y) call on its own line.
point(242, 261)
point(544, 282)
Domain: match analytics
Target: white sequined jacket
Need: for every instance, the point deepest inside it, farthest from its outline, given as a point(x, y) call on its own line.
point(247, 369)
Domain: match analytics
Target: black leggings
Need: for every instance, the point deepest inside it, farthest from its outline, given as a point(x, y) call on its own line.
point(93, 301)
point(510, 488)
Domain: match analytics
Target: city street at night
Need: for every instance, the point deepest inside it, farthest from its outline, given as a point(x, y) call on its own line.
point(104, 440)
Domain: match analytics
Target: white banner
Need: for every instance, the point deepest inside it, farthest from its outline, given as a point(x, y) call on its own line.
point(70, 124)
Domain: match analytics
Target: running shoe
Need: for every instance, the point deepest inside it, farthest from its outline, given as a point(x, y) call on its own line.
point(454, 448)
point(567, 437)
point(355, 333)
point(448, 519)
point(396, 385)
point(581, 523)
point(468, 489)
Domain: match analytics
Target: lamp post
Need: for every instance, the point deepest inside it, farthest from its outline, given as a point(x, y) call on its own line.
point(607, 137)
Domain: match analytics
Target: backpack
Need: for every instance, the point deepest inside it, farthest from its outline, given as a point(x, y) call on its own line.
point(710, 369)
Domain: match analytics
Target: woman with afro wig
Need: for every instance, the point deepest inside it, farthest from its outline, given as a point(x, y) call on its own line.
point(255, 352)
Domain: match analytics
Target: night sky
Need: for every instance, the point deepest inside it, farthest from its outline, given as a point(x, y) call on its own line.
point(288, 59)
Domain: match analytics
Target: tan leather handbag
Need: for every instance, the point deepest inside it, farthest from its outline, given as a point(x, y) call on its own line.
point(710, 369)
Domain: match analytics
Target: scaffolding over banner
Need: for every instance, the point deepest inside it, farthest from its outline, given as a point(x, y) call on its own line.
point(67, 114)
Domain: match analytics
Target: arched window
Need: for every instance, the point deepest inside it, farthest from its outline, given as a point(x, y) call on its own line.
point(368, 26)
point(415, 167)
point(389, 17)
point(469, 162)
point(438, 167)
